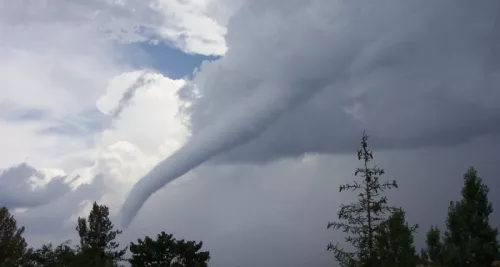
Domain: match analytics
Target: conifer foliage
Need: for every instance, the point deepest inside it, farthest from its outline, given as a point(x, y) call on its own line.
point(395, 246)
point(166, 251)
point(363, 220)
point(470, 240)
point(12, 244)
point(97, 236)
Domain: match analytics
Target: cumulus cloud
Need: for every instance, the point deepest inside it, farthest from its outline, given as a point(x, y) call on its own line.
point(55, 67)
point(121, 153)
point(139, 137)
point(56, 64)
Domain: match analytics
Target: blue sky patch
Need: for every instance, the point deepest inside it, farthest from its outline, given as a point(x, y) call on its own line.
point(164, 58)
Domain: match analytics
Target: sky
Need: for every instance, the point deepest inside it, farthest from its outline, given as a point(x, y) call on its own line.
point(240, 118)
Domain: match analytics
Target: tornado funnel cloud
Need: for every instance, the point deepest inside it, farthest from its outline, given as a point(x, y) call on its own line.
point(235, 128)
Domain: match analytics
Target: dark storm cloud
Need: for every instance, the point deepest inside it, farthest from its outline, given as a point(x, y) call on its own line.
point(308, 76)
point(16, 191)
point(414, 73)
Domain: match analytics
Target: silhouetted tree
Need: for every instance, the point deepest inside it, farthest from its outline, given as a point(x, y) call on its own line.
point(362, 219)
point(188, 254)
point(153, 253)
point(97, 238)
point(469, 239)
point(47, 256)
point(395, 242)
point(434, 247)
point(13, 246)
point(423, 257)
point(166, 251)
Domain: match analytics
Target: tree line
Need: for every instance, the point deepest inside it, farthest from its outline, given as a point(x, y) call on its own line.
point(377, 234)
point(97, 248)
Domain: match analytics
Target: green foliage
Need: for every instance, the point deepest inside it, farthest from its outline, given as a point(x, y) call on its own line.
point(97, 237)
point(166, 251)
point(423, 258)
point(189, 255)
point(434, 247)
point(363, 219)
point(395, 242)
point(153, 253)
point(470, 240)
point(48, 256)
point(97, 248)
point(13, 247)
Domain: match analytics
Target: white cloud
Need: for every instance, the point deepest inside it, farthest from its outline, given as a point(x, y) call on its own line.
point(55, 73)
point(60, 77)
point(148, 129)
point(188, 25)
point(151, 115)
point(193, 26)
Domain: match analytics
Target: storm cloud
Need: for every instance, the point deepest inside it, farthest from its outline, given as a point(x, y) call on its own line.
point(414, 73)
point(432, 62)
point(23, 186)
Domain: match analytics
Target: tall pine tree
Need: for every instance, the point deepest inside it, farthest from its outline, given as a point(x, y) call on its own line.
point(363, 219)
point(470, 240)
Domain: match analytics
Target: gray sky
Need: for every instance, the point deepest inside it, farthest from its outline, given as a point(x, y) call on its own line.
point(422, 77)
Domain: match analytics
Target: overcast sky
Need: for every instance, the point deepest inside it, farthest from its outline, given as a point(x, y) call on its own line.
point(269, 100)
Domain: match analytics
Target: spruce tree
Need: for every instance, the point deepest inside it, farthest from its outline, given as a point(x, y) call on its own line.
point(362, 220)
point(470, 240)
